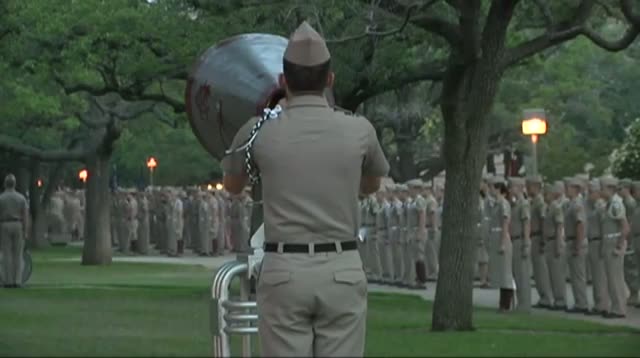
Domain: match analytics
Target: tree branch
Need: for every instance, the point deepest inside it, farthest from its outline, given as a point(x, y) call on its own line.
point(543, 6)
point(369, 33)
point(576, 27)
point(9, 144)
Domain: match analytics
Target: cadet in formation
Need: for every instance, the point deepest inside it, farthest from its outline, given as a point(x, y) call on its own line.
point(14, 226)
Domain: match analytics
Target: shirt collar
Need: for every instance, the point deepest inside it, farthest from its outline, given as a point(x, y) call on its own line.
point(307, 100)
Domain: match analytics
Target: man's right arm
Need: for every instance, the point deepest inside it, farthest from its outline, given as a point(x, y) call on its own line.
point(374, 164)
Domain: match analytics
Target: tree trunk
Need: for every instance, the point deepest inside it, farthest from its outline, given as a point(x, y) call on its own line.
point(22, 176)
point(36, 208)
point(97, 244)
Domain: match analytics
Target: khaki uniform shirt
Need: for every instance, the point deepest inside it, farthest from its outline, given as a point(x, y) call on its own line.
point(553, 219)
point(595, 211)
point(538, 211)
point(574, 214)
point(520, 213)
point(613, 217)
point(311, 159)
point(12, 206)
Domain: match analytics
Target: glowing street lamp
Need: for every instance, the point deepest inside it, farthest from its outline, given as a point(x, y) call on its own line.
point(83, 175)
point(210, 187)
point(39, 183)
point(151, 164)
point(219, 186)
point(534, 124)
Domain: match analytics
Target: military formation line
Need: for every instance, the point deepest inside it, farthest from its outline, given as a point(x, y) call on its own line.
point(579, 230)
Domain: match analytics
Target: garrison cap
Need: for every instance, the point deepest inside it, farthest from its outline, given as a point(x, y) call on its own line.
point(566, 180)
point(609, 181)
point(558, 187)
point(516, 181)
point(306, 47)
point(402, 187)
point(534, 179)
point(575, 182)
point(594, 185)
point(625, 183)
point(414, 183)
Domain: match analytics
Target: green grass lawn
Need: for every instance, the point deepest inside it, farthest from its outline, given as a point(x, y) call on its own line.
point(162, 310)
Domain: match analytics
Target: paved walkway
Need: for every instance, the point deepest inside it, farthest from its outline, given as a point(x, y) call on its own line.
point(481, 297)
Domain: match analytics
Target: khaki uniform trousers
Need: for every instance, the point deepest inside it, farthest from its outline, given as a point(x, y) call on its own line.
point(495, 236)
point(312, 305)
point(432, 248)
point(577, 258)
point(386, 255)
point(598, 276)
point(556, 263)
point(540, 271)
point(398, 254)
point(373, 255)
point(410, 256)
point(143, 235)
point(613, 265)
point(12, 244)
point(522, 275)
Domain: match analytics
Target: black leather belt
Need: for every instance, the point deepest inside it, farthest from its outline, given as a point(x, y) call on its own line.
point(595, 239)
point(304, 248)
point(536, 233)
point(516, 238)
point(570, 238)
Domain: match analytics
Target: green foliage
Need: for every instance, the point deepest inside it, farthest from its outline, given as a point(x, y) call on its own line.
point(626, 158)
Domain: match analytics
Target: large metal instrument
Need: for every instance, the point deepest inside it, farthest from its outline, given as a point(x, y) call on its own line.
point(230, 83)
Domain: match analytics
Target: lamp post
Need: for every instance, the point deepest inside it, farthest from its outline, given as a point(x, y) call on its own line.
point(151, 164)
point(534, 124)
point(83, 175)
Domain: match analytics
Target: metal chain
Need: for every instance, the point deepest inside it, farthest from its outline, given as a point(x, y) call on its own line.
point(252, 169)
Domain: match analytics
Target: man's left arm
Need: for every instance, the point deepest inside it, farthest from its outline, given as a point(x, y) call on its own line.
point(233, 165)
point(526, 227)
point(581, 218)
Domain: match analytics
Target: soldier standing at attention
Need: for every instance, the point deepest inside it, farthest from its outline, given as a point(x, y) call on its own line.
point(482, 255)
point(635, 242)
point(124, 216)
point(394, 234)
point(364, 204)
point(132, 221)
point(554, 246)
point(630, 268)
point(312, 291)
point(519, 231)
point(615, 229)
point(401, 239)
point(540, 270)
point(143, 223)
point(214, 227)
point(373, 252)
point(416, 232)
point(432, 223)
point(501, 245)
point(203, 245)
point(577, 246)
point(595, 208)
point(382, 236)
point(14, 228)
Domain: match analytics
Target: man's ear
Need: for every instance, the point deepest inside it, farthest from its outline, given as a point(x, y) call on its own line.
point(331, 79)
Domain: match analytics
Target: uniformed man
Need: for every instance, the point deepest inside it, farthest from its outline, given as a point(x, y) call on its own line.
point(401, 236)
point(540, 270)
point(203, 246)
point(482, 254)
point(132, 221)
point(143, 223)
point(14, 229)
point(415, 236)
point(577, 247)
point(555, 246)
point(432, 247)
point(382, 235)
point(239, 228)
point(595, 209)
point(520, 229)
point(615, 229)
point(312, 289)
point(373, 237)
point(215, 224)
point(501, 246)
point(395, 211)
point(56, 230)
point(635, 244)
point(364, 223)
point(630, 268)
